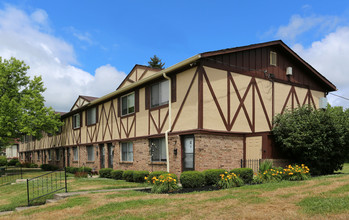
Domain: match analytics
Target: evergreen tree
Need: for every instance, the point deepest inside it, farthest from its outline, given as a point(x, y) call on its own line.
point(155, 62)
point(22, 110)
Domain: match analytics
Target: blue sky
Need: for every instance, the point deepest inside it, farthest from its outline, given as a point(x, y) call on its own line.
point(87, 47)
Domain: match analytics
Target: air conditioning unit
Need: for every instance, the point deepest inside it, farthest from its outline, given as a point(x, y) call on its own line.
point(289, 71)
point(323, 102)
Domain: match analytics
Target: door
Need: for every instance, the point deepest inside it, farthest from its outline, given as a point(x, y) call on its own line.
point(110, 155)
point(63, 152)
point(102, 155)
point(188, 150)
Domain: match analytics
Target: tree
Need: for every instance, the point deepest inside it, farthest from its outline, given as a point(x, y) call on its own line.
point(22, 110)
point(318, 138)
point(155, 62)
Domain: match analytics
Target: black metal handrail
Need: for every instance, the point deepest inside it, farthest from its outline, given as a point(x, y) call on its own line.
point(46, 184)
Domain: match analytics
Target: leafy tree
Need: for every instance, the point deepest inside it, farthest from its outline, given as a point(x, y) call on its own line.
point(155, 62)
point(22, 109)
point(318, 138)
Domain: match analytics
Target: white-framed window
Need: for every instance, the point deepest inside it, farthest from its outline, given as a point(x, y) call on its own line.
point(159, 94)
point(90, 153)
point(128, 104)
point(273, 58)
point(158, 149)
point(58, 154)
point(49, 155)
point(76, 120)
point(76, 153)
point(91, 115)
point(127, 151)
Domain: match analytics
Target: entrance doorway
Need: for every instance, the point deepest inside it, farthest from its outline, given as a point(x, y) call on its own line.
point(110, 155)
point(102, 155)
point(188, 155)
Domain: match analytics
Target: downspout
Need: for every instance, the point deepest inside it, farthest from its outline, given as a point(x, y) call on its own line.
point(169, 121)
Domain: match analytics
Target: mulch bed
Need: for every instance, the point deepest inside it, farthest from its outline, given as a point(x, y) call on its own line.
point(188, 190)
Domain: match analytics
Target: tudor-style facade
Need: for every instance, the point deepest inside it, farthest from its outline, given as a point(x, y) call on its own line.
point(217, 109)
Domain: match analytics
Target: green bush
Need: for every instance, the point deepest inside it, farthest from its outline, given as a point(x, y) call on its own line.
point(128, 175)
point(265, 165)
point(72, 170)
point(229, 180)
point(26, 164)
point(105, 172)
point(246, 174)
point(85, 170)
point(12, 162)
point(3, 161)
point(48, 167)
point(18, 164)
point(116, 174)
point(316, 137)
point(212, 176)
point(139, 176)
point(166, 182)
point(33, 165)
point(192, 179)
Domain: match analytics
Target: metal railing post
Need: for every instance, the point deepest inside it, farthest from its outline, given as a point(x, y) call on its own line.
point(28, 192)
point(65, 179)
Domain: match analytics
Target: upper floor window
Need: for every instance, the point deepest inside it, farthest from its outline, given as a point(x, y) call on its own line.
point(76, 120)
point(273, 58)
point(91, 115)
point(128, 104)
point(159, 94)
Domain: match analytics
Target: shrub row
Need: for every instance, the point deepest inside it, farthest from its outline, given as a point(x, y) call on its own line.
point(128, 175)
point(75, 170)
point(211, 177)
point(48, 167)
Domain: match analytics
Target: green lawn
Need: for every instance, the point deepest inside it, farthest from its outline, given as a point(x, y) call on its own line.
point(324, 197)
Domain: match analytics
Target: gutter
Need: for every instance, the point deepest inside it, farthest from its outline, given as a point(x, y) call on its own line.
point(169, 121)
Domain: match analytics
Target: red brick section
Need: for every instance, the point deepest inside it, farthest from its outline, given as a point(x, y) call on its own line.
point(216, 152)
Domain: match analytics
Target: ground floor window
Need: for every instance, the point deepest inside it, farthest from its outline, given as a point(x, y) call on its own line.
point(90, 153)
point(158, 149)
point(127, 151)
point(38, 155)
point(49, 155)
point(76, 153)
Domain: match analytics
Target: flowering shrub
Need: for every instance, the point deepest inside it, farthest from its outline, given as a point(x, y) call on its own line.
point(296, 172)
point(164, 183)
point(229, 180)
point(289, 173)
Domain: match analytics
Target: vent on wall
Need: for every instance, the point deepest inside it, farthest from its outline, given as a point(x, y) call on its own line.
point(289, 71)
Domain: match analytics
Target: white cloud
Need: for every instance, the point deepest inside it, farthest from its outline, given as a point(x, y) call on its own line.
point(299, 25)
point(26, 37)
point(330, 57)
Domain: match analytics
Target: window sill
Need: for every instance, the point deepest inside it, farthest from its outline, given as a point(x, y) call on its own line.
point(126, 162)
point(76, 128)
point(159, 107)
point(90, 125)
point(157, 163)
point(128, 115)
point(75, 161)
point(91, 161)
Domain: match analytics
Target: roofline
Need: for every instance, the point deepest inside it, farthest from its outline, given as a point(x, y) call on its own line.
point(138, 83)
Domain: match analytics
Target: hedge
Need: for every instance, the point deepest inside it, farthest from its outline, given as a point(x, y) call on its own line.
point(85, 170)
point(192, 179)
point(3, 161)
point(116, 174)
point(48, 167)
point(156, 174)
point(72, 170)
point(105, 172)
point(246, 174)
point(13, 162)
point(212, 176)
point(138, 176)
point(128, 175)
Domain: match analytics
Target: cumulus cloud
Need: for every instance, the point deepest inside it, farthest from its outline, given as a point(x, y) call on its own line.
point(27, 37)
point(330, 57)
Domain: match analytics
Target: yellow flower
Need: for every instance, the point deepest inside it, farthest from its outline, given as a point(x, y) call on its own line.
point(145, 178)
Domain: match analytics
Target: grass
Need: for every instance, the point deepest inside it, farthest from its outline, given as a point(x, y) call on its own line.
point(317, 198)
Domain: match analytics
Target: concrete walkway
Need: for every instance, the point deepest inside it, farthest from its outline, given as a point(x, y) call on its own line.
point(59, 196)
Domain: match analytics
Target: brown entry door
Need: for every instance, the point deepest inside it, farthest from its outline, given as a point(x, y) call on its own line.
point(188, 150)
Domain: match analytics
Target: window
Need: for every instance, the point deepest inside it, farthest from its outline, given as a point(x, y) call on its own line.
point(91, 115)
point(38, 155)
point(159, 94)
point(273, 58)
point(128, 104)
point(158, 149)
point(76, 120)
point(127, 151)
point(58, 154)
point(49, 155)
point(90, 153)
point(76, 153)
